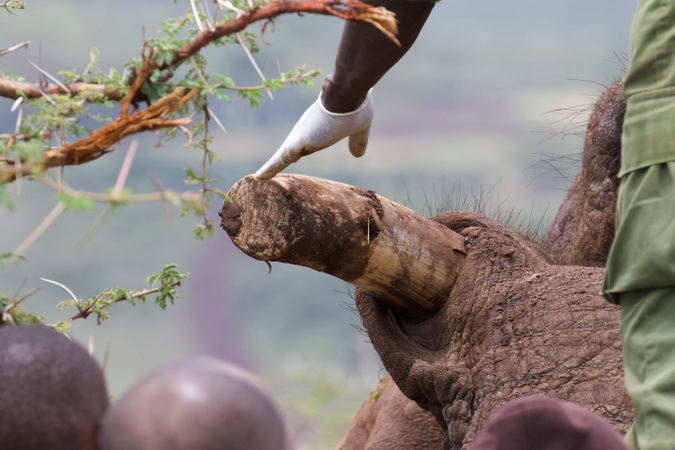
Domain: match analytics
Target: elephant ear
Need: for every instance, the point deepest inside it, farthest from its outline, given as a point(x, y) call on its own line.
point(583, 229)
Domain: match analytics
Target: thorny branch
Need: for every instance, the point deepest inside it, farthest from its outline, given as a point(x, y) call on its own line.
point(14, 4)
point(6, 316)
point(11, 89)
point(4, 51)
point(169, 278)
point(154, 116)
point(379, 17)
point(99, 141)
point(118, 198)
point(83, 313)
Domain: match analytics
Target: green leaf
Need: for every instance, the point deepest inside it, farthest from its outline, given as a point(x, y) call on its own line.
point(152, 279)
point(253, 97)
point(69, 76)
point(202, 232)
point(193, 178)
point(220, 96)
point(32, 149)
point(75, 203)
point(223, 195)
point(10, 257)
point(165, 57)
point(223, 80)
point(14, 4)
point(6, 198)
point(63, 326)
point(19, 316)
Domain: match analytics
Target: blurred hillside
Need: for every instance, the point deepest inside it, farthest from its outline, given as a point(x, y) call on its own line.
point(465, 104)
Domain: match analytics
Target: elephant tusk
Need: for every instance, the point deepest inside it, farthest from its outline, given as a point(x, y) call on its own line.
point(401, 257)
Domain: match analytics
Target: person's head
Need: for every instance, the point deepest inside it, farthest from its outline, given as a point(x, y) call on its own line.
point(53, 393)
point(200, 404)
point(542, 423)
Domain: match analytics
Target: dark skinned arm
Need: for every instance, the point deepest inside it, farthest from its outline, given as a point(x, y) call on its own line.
point(345, 108)
point(365, 54)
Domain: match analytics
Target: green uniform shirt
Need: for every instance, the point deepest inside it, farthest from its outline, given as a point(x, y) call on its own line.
point(643, 253)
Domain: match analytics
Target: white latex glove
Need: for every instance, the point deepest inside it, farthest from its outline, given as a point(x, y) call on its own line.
point(319, 128)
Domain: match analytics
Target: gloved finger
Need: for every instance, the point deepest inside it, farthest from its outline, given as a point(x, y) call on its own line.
point(358, 143)
point(272, 167)
point(283, 158)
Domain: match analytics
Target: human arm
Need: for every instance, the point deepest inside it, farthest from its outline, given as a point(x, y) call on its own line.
point(345, 107)
point(365, 54)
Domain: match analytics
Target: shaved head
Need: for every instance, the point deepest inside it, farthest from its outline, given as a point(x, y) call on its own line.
point(201, 404)
point(53, 394)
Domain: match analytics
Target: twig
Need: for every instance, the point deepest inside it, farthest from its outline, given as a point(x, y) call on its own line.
point(6, 50)
point(196, 15)
point(98, 142)
point(114, 195)
point(207, 14)
point(201, 75)
point(141, 77)
point(345, 9)
point(9, 89)
point(96, 227)
point(46, 223)
point(161, 190)
point(255, 65)
point(124, 171)
point(154, 116)
point(108, 198)
point(205, 188)
point(106, 356)
point(18, 174)
point(6, 311)
point(228, 5)
point(215, 118)
point(51, 77)
point(86, 311)
point(4, 5)
point(20, 287)
point(45, 95)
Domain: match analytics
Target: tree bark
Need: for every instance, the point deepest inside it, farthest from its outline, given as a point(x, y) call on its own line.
point(401, 257)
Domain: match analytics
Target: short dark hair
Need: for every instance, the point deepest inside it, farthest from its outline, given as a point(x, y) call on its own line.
point(53, 393)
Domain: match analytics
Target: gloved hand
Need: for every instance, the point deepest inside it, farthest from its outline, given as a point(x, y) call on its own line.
point(319, 128)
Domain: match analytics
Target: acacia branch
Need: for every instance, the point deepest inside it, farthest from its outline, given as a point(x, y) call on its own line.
point(11, 89)
point(379, 17)
point(98, 142)
point(345, 9)
point(87, 311)
point(153, 117)
point(6, 312)
point(110, 198)
point(6, 50)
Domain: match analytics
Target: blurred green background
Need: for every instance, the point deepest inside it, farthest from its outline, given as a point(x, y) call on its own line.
point(466, 104)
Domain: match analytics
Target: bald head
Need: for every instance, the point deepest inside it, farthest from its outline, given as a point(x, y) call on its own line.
point(53, 394)
point(201, 404)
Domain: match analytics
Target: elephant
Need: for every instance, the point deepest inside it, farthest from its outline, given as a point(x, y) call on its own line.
point(516, 317)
